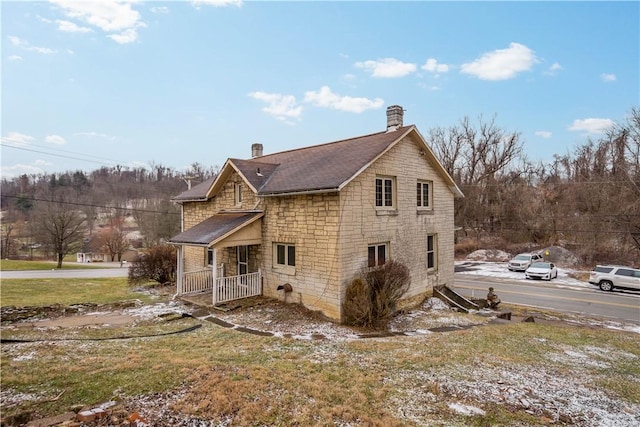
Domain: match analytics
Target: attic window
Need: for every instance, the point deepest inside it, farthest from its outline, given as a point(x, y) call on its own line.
point(238, 193)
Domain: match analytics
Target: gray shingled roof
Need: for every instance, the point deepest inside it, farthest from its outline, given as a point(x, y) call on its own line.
point(214, 228)
point(323, 167)
point(197, 192)
point(317, 168)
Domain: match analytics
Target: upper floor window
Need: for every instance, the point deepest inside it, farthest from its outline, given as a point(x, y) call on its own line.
point(424, 194)
point(377, 254)
point(384, 192)
point(238, 193)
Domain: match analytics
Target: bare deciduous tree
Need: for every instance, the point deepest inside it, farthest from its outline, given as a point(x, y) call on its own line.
point(59, 226)
point(114, 242)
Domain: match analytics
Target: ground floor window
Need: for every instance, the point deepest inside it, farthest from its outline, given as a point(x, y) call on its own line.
point(377, 254)
point(210, 257)
point(431, 252)
point(285, 255)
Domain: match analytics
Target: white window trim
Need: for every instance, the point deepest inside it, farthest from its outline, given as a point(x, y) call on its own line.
point(419, 202)
point(284, 268)
point(376, 246)
point(383, 179)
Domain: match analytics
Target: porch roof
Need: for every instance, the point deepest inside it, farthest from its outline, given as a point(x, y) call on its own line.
point(216, 228)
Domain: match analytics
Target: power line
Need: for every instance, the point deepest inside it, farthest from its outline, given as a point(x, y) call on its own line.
point(58, 155)
point(35, 199)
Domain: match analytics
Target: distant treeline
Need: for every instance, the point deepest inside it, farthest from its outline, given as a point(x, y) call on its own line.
point(587, 200)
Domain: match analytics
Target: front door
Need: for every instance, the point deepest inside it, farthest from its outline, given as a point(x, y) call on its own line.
point(243, 259)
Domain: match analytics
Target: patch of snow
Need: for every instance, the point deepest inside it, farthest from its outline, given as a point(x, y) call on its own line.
point(152, 311)
point(23, 357)
point(489, 255)
point(500, 270)
point(465, 409)
point(561, 397)
point(435, 304)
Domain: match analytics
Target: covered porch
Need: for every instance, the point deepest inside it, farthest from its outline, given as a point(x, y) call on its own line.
point(221, 256)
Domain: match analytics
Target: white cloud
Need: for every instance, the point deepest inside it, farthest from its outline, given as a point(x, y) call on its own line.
point(55, 139)
point(544, 134)
point(70, 27)
point(282, 107)
point(591, 125)
point(433, 66)
point(14, 171)
point(25, 45)
point(608, 77)
point(15, 58)
point(17, 41)
point(111, 16)
point(501, 64)
point(18, 138)
point(327, 99)
point(127, 36)
point(553, 69)
point(387, 68)
point(160, 9)
point(216, 3)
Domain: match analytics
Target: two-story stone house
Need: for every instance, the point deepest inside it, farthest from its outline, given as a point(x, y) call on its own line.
point(298, 225)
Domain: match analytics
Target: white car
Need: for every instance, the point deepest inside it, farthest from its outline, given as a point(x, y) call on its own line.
point(521, 262)
point(608, 277)
point(541, 270)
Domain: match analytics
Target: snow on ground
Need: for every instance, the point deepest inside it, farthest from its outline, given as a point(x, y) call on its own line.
point(499, 270)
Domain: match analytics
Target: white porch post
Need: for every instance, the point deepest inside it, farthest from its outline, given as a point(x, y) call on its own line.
point(180, 270)
point(214, 275)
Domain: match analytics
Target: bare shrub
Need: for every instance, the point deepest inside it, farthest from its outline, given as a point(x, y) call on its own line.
point(371, 299)
point(157, 263)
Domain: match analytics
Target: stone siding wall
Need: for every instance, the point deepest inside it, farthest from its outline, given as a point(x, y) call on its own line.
point(195, 258)
point(405, 228)
point(311, 223)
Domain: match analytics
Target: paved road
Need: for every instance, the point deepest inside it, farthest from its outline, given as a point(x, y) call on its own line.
point(114, 271)
point(617, 305)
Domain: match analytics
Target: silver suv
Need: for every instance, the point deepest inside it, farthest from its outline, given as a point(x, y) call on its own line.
point(608, 277)
point(521, 262)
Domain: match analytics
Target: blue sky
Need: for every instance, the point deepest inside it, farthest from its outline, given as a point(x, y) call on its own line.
point(88, 84)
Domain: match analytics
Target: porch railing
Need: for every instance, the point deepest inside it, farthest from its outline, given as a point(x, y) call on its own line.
point(196, 281)
point(237, 287)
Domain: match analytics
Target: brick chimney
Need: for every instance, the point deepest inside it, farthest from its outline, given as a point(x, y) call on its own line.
point(256, 150)
point(394, 117)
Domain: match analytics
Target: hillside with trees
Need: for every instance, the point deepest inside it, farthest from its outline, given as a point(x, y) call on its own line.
point(61, 214)
point(587, 200)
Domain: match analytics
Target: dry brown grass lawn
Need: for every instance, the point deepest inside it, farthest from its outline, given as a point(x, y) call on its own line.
point(312, 372)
